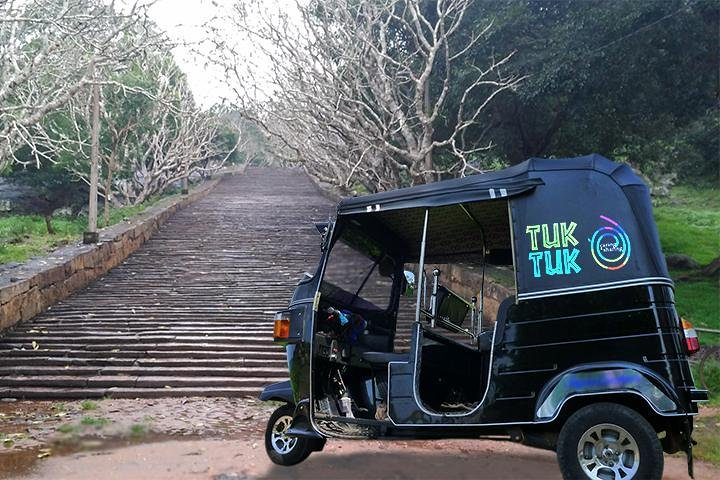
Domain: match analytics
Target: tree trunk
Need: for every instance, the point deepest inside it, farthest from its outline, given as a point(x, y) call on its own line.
point(91, 235)
point(108, 190)
point(428, 164)
point(48, 224)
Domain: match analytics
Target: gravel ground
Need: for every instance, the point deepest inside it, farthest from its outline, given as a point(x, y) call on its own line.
point(221, 439)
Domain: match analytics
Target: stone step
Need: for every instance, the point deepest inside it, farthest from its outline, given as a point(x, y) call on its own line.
point(133, 370)
point(151, 381)
point(207, 363)
point(118, 353)
point(45, 393)
point(191, 309)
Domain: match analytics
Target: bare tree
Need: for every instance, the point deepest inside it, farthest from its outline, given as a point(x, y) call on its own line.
point(155, 134)
point(354, 91)
point(46, 49)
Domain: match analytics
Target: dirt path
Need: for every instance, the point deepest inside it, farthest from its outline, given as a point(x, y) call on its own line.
point(244, 459)
point(221, 439)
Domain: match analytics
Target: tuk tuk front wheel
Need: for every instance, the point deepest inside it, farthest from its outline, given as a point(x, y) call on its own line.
point(608, 441)
point(281, 448)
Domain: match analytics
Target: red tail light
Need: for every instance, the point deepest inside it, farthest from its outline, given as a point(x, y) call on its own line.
point(691, 337)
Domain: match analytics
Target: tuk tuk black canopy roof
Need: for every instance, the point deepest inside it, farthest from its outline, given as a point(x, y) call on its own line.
point(575, 224)
point(508, 182)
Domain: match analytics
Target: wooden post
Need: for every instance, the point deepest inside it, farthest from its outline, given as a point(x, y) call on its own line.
point(185, 189)
point(91, 235)
point(108, 189)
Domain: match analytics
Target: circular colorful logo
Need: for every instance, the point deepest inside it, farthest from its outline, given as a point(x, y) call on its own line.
point(610, 245)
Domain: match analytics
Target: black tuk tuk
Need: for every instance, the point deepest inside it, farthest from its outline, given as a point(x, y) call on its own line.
point(396, 335)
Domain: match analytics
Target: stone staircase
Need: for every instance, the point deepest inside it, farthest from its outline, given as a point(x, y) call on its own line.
point(188, 314)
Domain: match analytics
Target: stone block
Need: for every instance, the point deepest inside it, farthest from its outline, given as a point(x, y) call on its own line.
point(76, 281)
point(50, 276)
point(32, 304)
point(52, 294)
point(10, 312)
point(13, 289)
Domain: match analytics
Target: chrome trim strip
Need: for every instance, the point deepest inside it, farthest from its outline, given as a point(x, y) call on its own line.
point(302, 301)
point(540, 422)
point(596, 287)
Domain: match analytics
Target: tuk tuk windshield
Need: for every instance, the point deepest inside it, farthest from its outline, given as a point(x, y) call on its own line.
point(359, 273)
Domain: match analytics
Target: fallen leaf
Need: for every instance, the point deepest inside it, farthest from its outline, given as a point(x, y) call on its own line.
point(44, 452)
point(35, 345)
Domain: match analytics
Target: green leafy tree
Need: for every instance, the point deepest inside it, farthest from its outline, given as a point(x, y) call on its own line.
point(623, 78)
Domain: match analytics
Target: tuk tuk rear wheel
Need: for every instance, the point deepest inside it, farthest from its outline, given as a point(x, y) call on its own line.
point(281, 448)
point(608, 441)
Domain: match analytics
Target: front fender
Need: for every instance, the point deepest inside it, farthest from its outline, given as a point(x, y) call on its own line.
point(596, 379)
point(279, 392)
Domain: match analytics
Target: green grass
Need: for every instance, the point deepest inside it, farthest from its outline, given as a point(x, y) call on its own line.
point(96, 422)
point(25, 236)
point(699, 302)
point(706, 435)
point(67, 428)
point(88, 405)
point(712, 380)
point(689, 223)
point(138, 430)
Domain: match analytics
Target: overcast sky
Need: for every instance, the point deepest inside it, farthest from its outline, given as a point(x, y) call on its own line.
point(183, 21)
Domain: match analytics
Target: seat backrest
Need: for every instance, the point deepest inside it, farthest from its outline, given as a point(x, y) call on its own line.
point(502, 317)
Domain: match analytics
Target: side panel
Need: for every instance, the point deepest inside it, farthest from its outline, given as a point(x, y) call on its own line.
point(631, 326)
point(634, 328)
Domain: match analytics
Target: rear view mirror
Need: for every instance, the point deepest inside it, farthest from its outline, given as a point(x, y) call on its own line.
point(323, 228)
point(409, 289)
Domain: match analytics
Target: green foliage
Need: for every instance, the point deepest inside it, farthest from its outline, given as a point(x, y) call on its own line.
point(52, 186)
point(627, 78)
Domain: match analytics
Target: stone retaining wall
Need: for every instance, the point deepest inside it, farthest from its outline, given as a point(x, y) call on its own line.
point(32, 287)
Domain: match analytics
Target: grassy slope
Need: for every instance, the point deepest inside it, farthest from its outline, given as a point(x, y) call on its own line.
point(689, 223)
point(25, 236)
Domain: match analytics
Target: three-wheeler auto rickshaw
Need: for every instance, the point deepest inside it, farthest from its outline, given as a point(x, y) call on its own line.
point(586, 356)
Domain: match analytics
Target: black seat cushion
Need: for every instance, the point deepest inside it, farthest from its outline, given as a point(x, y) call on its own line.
point(379, 358)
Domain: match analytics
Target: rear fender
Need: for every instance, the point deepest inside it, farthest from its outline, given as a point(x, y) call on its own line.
point(604, 378)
